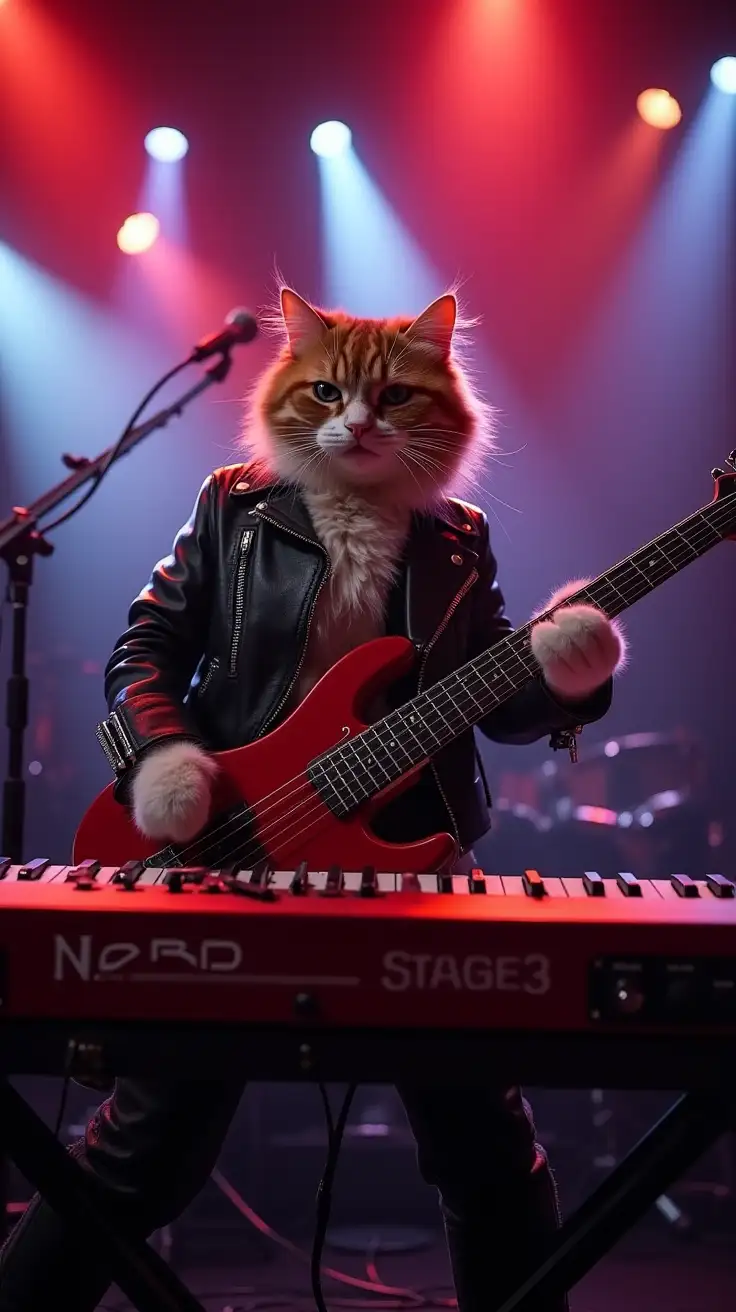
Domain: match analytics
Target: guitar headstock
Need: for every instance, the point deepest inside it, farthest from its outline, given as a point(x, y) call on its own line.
point(725, 488)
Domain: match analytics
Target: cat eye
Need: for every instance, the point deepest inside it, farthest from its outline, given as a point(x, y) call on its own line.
point(327, 392)
point(395, 394)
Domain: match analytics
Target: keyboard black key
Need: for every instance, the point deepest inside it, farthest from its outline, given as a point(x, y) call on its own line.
point(5, 864)
point(33, 870)
point(369, 882)
point(193, 874)
point(593, 884)
point(533, 884)
point(477, 882)
point(299, 885)
point(129, 874)
point(334, 882)
point(684, 885)
point(261, 874)
point(444, 883)
point(720, 886)
point(85, 870)
point(628, 883)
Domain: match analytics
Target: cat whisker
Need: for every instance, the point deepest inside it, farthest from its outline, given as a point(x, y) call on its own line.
point(431, 428)
point(441, 445)
point(401, 455)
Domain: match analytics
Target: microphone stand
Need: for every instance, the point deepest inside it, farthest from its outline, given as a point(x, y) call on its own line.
point(21, 540)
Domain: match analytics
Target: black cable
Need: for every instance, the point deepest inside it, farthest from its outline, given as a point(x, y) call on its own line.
point(324, 1194)
point(115, 451)
point(329, 1118)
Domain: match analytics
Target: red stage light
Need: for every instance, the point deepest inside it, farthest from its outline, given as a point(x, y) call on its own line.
point(138, 233)
point(658, 108)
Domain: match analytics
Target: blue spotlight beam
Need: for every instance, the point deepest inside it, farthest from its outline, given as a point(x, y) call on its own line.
point(370, 262)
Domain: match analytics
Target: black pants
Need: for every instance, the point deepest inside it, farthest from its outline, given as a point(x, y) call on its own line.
point(152, 1145)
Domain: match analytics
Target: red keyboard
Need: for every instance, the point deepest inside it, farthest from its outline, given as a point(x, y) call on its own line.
point(365, 950)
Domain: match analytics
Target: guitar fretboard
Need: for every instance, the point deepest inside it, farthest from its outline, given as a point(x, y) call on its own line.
point(366, 764)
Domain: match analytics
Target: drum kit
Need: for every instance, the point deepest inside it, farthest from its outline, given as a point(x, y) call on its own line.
point(639, 802)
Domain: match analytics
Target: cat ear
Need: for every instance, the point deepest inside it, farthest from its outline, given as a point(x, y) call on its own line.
point(303, 324)
point(435, 324)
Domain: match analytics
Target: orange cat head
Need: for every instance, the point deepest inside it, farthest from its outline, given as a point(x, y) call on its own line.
point(378, 406)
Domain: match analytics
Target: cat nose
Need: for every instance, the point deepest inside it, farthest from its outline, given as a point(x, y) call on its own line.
point(358, 428)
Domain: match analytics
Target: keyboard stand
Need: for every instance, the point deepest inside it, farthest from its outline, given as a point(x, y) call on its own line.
point(143, 1276)
point(660, 1158)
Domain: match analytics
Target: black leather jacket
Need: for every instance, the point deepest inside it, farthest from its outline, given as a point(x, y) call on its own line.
point(216, 639)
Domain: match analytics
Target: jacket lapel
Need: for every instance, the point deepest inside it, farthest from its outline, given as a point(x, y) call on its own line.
point(285, 507)
point(440, 558)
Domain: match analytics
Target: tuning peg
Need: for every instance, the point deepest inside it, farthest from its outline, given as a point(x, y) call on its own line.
point(717, 473)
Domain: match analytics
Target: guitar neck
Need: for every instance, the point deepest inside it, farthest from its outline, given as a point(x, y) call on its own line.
point(414, 733)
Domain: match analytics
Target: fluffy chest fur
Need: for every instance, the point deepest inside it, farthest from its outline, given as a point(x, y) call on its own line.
point(365, 544)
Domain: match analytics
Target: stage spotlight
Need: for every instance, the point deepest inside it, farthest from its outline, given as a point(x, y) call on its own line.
point(138, 233)
point(723, 75)
point(658, 108)
point(166, 145)
point(330, 139)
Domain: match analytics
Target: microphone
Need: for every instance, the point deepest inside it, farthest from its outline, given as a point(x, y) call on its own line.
point(240, 326)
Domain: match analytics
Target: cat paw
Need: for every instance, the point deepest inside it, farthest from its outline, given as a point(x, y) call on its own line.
point(578, 648)
point(172, 791)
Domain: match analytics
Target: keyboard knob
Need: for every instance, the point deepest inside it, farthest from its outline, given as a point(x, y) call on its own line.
point(629, 996)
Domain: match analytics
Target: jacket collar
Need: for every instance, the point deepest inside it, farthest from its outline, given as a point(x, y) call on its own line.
point(441, 553)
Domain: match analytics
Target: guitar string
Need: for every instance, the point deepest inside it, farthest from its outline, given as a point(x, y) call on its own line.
point(236, 824)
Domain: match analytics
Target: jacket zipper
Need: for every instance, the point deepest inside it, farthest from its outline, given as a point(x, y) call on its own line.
point(239, 599)
point(310, 542)
point(467, 585)
point(212, 669)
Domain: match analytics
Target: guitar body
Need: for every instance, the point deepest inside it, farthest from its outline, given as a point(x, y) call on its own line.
point(284, 819)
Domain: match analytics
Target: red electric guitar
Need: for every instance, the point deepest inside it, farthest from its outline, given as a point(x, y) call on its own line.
point(307, 791)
